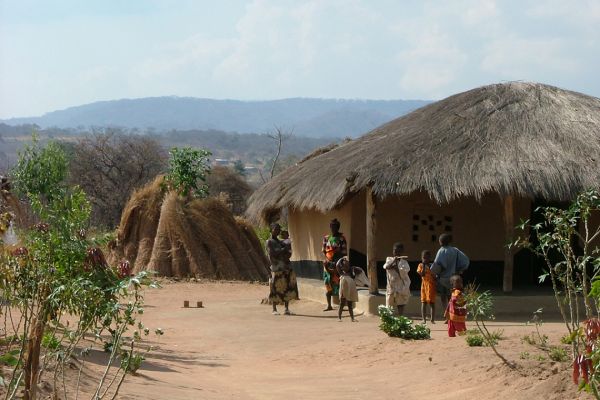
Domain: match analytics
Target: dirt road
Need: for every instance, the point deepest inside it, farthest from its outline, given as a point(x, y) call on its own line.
point(235, 349)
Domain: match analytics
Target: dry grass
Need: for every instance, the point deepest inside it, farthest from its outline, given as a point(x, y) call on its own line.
point(176, 237)
point(525, 139)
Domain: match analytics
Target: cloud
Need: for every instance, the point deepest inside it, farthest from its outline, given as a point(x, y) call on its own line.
point(514, 57)
point(271, 49)
point(430, 66)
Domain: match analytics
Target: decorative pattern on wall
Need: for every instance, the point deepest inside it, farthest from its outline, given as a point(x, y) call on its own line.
point(427, 226)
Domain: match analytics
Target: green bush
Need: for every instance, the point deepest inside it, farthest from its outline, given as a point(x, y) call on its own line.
point(558, 354)
point(187, 171)
point(474, 340)
point(50, 341)
point(402, 327)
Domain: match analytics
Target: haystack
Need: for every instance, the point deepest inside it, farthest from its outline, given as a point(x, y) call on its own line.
point(172, 236)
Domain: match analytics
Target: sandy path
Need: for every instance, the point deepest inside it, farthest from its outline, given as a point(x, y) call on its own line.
point(234, 348)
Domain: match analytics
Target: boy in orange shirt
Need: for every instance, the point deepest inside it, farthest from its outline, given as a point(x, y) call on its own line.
point(427, 286)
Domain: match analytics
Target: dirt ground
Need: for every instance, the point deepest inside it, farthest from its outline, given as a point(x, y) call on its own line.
point(233, 348)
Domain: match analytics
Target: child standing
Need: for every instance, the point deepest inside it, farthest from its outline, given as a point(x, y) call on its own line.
point(427, 285)
point(348, 291)
point(456, 312)
point(398, 283)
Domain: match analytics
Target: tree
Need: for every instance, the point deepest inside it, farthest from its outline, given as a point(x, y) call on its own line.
point(59, 272)
point(187, 172)
point(109, 166)
point(226, 180)
point(278, 136)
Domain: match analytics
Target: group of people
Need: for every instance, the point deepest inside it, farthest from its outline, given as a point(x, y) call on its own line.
point(442, 276)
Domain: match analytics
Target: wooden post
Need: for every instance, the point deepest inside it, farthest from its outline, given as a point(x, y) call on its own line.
point(371, 241)
point(509, 226)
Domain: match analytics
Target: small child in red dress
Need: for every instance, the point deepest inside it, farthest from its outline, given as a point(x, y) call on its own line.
point(456, 312)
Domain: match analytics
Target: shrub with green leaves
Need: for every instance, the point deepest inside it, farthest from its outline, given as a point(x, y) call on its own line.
point(57, 272)
point(187, 171)
point(559, 354)
point(480, 306)
point(400, 326)
point(474, 340)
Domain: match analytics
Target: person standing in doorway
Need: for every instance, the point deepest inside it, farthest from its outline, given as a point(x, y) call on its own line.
point(334, 248)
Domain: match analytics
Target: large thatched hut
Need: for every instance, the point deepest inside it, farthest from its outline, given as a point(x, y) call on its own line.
point(473, 164)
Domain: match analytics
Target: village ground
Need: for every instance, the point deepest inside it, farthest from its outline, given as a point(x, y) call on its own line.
point(233, 348)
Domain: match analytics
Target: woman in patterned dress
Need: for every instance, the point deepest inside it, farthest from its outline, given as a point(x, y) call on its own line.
point(282, 286)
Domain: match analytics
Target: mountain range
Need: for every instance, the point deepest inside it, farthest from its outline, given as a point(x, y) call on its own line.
point(302, 116)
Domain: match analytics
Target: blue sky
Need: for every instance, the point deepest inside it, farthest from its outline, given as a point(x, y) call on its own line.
point(60, 53)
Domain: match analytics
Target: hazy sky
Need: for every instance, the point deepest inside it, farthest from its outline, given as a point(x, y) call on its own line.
point(60, 53)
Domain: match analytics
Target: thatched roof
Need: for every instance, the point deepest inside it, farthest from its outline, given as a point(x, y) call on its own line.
point(516, 138)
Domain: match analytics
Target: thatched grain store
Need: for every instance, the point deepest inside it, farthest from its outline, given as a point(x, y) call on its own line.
point(473, 164)
point(179, 237)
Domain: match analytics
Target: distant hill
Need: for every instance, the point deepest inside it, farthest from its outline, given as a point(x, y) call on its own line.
point(307, 117)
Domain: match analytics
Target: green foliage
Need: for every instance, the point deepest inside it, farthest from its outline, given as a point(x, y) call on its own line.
point(558, 354)
point(131, 363)
point(400, 326)
point(10, 358)
point(529, 339)
point(40, 171)
point(497, 335)
point(57, 272)
point(50, 341)
point(474, 340)
point(187, 171)
point(564, 240)
point(480, 307)
point(568, 338)
point(524, 355)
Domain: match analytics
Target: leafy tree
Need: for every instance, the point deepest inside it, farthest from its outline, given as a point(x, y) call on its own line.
point(566, 240)
point(57, 272)
point(187, 172)
point(40, 171)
